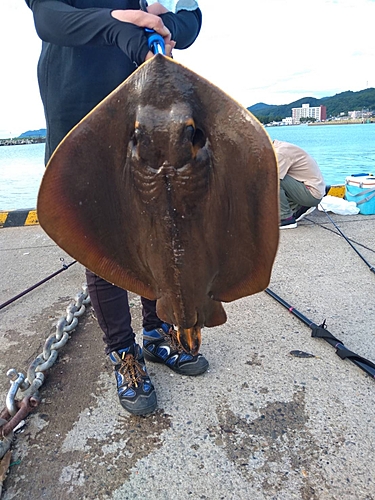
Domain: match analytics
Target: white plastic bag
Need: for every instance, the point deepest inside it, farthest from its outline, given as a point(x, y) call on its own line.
point(338, 206)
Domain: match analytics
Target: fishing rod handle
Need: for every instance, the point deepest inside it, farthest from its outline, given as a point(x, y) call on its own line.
point(155, 42)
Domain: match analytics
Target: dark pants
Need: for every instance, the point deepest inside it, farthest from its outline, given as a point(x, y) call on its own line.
point(111, 306)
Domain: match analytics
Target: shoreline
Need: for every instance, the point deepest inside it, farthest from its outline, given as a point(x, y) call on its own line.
point(18, 141)
point(344, 122)
point(369, 121)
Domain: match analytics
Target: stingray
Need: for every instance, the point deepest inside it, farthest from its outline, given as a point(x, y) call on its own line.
point(169, 189)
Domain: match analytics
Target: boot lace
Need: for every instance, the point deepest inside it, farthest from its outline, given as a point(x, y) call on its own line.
point(171, 338)
point(132, 370)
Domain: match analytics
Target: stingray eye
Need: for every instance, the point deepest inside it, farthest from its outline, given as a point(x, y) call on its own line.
point(189, 132)
point(136, 135)
point(199, 139)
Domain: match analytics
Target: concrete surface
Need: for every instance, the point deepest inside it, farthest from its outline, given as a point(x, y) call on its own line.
point(260, 424)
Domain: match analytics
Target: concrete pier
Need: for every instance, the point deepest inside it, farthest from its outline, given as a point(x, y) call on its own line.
point(261, 424)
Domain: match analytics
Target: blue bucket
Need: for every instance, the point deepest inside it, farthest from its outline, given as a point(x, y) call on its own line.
point(360, 188)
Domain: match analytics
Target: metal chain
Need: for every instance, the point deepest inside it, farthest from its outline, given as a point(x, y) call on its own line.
point(29, 385)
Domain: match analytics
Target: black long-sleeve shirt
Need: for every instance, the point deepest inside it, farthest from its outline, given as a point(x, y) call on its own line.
point(86, 54)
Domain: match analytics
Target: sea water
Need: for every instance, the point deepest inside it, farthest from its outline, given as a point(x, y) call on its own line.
point(340, 150)
point(21, 170)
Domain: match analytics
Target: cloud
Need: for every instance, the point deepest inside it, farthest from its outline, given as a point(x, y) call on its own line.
point(20, 104)
point(270, 51)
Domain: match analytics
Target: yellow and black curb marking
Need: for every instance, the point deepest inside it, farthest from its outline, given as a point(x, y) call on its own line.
point(15, 218)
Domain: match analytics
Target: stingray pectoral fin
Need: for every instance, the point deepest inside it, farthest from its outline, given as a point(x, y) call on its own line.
point(94, 238)
point(71, 232)
point(241, 215)
point(254, 283)
point(86, 203)
point(114, 273)
point(215, 314)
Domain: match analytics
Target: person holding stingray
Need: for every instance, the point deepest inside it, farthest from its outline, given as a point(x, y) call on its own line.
point(89, 48)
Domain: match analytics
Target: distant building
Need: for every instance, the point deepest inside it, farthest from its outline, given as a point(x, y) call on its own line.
point(287, 121)
point(318, 112)
point(355, 115)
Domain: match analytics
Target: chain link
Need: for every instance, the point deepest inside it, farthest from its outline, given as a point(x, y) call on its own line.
point(28, 386)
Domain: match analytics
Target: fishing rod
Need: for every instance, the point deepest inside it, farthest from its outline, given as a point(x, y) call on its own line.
point(372, 268)
point(13, 299)
point(338, 234)
point(320, 331)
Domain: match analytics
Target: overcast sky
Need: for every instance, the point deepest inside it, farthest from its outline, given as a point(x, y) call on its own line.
point(272, 51)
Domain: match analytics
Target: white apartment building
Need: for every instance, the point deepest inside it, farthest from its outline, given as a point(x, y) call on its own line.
point(318, 112)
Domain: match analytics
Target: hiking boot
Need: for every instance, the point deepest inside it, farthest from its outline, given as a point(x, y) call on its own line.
point(288, 223)
point(134, 388)
point(161, 346)
point(302, 212)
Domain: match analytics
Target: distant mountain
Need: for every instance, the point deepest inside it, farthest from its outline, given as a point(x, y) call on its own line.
point(339, 103)
point(34, 133)
point(260, 107)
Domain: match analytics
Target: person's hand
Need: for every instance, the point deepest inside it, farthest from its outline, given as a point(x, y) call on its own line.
point(157, 9)
point(141, 19)
point(147, 20)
